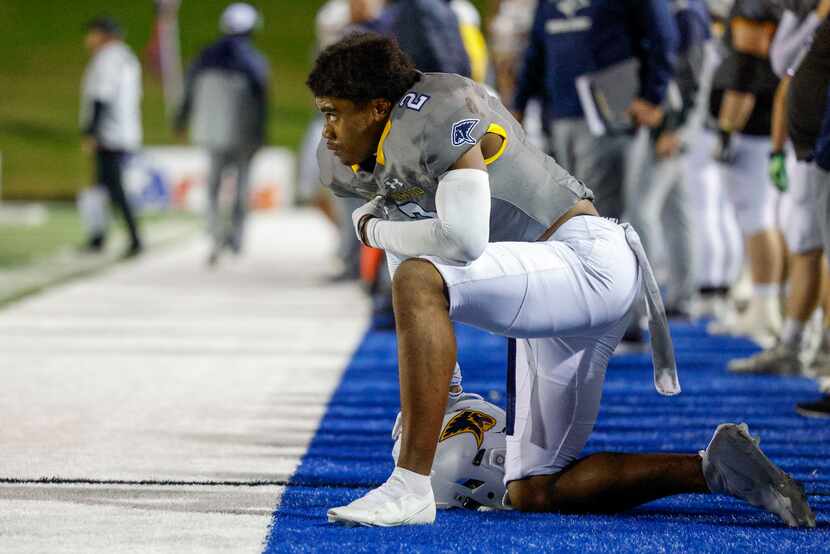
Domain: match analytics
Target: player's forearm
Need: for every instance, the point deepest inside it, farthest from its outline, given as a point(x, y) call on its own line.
point(428, 237)
point(735, 110)
point(460, 232)
point(779, 116)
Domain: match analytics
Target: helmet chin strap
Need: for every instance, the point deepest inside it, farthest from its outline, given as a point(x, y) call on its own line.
point(456, 390)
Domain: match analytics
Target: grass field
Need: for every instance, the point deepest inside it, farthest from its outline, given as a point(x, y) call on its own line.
point(23, 244)
point(61, 229)
point(43, 60)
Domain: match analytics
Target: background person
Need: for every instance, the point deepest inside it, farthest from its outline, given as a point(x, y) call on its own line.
point(225, 105)
point(111, 117)
point(656, 198)
point(799, 185)
point(718, 241)
point(741, 102)
point(809, 124)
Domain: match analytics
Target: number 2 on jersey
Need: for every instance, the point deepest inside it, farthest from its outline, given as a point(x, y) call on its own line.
point(414, 101)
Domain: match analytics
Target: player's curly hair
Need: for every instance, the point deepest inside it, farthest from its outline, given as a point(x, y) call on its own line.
point(362, 67)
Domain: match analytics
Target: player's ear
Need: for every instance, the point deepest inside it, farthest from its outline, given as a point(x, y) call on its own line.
point(381, 108)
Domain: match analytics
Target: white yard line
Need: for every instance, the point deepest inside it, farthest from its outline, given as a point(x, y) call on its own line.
point(161, 370)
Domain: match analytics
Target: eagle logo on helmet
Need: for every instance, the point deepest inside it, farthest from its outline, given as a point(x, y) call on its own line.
point(468, 421)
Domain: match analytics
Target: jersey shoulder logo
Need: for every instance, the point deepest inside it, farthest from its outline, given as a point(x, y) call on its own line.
point(468, 421)
point(462, 132)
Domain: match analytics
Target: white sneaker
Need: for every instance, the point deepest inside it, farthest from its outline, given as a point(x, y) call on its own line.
point(724, 319)
point(761, 322)
point(389, 505)
point(819, 367)
point(782, 359)
point(733, 464)
point(713, 306)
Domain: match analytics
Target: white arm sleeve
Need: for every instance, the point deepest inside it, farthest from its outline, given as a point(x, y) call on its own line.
point(460, 232)
point(790, 38)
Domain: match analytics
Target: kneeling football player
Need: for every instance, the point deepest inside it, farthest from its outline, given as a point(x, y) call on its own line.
point(482, 228)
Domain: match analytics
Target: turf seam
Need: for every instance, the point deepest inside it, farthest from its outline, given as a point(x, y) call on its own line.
point(175, 483)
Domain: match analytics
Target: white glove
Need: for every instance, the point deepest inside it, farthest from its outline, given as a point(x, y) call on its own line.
point(372, 208)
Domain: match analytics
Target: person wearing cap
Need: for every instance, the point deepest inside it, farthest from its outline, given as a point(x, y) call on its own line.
point(110, 117)
point(224, 106)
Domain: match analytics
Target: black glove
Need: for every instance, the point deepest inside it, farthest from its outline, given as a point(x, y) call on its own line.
point(725, 149)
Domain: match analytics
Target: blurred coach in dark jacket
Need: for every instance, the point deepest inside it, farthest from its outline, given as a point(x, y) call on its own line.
point(225, 106)
point(429, 33)
point(570, 38)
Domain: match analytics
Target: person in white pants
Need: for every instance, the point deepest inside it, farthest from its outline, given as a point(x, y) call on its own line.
point(742, 98)
point(656, 197)
point(718, 244)
point(800, 182)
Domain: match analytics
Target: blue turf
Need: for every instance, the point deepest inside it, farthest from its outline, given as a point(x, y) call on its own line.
point(351, 452)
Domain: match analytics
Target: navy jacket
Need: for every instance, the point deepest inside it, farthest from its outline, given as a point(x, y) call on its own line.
point(643, 29)
point(557, 53)
point(232, 53)
point(573, 37)
point(428, 31)
point(693, 23)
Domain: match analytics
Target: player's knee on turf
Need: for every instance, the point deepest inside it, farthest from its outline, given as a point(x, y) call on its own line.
point(528, 496)
point(588, 488)
point(417, 283)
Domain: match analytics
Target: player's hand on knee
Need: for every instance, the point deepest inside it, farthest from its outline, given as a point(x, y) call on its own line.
point(668, 145)
point(777, 169)
point(644, 113)
point(369, 210)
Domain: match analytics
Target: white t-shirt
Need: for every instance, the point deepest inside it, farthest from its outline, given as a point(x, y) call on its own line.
point(113, 76)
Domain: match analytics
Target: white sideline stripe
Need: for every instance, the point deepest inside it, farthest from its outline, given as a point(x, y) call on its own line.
point(160, 370)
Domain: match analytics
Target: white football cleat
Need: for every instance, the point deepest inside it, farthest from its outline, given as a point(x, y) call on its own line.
point(389, 505)
point(733, 464)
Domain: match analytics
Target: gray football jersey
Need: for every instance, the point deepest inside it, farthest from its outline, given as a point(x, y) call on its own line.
point(431, 127)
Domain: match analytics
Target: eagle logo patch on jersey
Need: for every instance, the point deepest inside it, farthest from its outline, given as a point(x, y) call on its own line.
point(468, 421)
point(462, 132)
